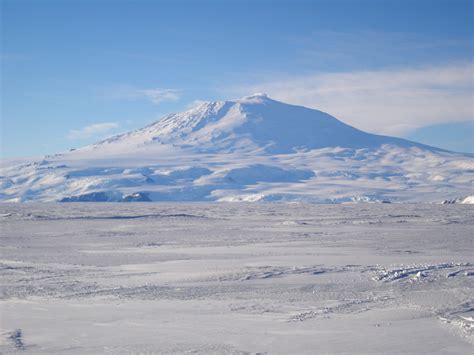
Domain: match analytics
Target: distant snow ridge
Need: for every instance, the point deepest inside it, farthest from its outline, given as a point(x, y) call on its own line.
point(251, 149)
point(467, 200)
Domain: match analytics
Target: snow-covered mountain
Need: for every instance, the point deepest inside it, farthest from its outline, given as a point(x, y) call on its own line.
point(251, 149)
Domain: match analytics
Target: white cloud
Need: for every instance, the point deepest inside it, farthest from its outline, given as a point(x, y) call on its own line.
point(355, 48)
point(159, 95)
point(385, 101)
point(91, 130)
point(155, 95)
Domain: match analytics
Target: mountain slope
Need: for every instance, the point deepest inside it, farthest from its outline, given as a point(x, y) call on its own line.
point(252, 149)
point(256, 122)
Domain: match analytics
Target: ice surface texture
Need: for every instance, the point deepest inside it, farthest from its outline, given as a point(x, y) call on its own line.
point(236, 278)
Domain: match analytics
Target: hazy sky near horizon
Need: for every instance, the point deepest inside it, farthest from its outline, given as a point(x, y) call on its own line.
point(74, 72)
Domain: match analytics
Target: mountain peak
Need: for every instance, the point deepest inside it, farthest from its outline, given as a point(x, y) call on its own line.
point(254, 122)
point(254, 98)
point(257, 95)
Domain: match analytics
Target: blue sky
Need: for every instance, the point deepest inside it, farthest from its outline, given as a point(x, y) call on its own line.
point(76, 71)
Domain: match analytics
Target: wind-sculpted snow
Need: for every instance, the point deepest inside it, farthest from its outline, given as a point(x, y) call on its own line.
point(467, 200)
point(252, 149)
point(88, 278)
point(423, 273)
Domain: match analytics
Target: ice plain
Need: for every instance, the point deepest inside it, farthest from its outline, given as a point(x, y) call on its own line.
point(236, 278)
